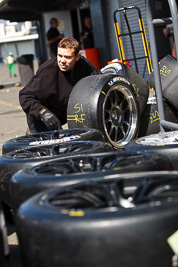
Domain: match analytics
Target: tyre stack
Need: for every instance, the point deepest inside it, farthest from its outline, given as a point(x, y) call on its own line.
point(93, 201)
point(28, 151)
point(112, 221)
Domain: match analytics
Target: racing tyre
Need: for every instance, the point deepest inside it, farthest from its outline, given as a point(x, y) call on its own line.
point(165, 144)
point(149, 121)
point(31, 156)
point(4, 247)
point(140, 86)
point(63, 172)
point(105, 223)
point(105, 102)
point(168, 68)
point(52, 137)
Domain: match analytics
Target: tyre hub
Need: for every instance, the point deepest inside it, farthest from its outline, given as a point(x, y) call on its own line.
point(116, 116)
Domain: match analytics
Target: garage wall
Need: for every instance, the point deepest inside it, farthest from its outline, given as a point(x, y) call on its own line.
point(100, 29)
point(65, 24)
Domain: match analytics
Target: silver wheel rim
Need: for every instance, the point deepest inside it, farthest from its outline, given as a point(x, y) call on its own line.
point(165, 138)
point(120, 116)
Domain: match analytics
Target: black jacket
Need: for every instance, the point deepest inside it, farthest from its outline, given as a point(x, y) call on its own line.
point(51, 88)
point(51, 34)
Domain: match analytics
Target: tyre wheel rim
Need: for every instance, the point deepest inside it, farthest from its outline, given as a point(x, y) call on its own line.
point(51, 150)
point(119, 116)
point(165, 138)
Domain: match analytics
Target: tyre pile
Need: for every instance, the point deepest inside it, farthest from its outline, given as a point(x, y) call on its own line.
point(77, 201)
point(102, 193)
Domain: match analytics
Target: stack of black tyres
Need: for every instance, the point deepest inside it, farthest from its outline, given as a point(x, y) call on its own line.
point(78, 168)
point(52, 137)
point(114, 221)
point(39, 147)
point(19, 159)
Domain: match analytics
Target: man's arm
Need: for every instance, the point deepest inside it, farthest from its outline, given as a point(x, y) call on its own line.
point(28, 99)
point(53, 40)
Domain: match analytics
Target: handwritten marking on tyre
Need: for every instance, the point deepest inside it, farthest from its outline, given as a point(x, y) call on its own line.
point(78, 107)
point(136, 91)
point(76, 118)
point(54, 141)
point(165, 71)
point(152, 116)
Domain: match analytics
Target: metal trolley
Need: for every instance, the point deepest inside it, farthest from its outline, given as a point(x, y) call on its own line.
point(151, 28)
point(125, 11)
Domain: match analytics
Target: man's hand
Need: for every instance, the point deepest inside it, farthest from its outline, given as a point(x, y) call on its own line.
point(49, 119)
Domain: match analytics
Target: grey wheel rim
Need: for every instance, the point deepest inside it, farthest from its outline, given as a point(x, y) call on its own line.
point(120, 116)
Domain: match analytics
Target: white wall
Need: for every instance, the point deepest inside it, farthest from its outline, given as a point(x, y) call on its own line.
point(17, 48)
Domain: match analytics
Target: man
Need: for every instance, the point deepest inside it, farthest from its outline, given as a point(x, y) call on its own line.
point(44, 99)
point(10, 61)
point(87, 34)
point(53, 37)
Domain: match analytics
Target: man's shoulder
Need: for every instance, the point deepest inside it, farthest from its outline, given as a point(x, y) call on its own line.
point(86, 65)
point(49, 64)
point(84, 60)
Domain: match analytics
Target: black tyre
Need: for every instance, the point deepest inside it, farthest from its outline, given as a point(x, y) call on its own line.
point(62, 172)
point(140, 86)
point(4, 247)
point(115, 222)
point(52, 137)
point(105, 102)
point(31, 156)
point(149, 121)
point(165, 144)
point(168, 68)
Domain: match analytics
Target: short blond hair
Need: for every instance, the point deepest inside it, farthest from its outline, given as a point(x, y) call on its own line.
point(70, 43)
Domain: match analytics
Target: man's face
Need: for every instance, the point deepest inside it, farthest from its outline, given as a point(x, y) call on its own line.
point(66, 59)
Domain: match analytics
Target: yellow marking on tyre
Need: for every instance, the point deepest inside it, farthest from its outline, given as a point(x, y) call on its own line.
point(73, 213)
point(76, 118)
point(103, 93)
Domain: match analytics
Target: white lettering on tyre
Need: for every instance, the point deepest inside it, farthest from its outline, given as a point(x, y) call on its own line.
point(115, 79)
point(54, 141)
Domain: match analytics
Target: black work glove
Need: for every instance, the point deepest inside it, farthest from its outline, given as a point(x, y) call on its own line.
point(49, 119)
